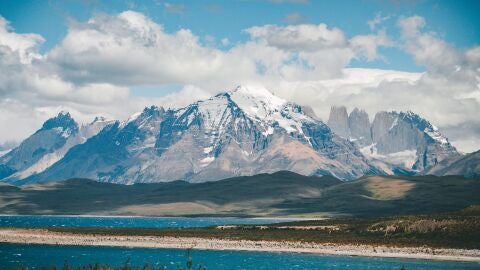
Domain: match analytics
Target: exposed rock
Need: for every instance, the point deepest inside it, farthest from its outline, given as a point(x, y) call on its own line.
point(359, 127)
point(402, 139)
point(338, 121)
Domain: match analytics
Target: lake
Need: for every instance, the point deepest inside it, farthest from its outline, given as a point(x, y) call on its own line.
point(127, 222)
point(36, 256)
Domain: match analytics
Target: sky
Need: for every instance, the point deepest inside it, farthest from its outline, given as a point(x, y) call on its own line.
point(113, 58)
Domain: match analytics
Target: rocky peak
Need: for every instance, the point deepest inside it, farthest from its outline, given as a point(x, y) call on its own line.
point(424, 125)
point(382, 123)
point(98, 119)
point(63, 122)
point(359, 127)
point(338, 121)
point(148, 113)
point(153, 110)
point(399, 132)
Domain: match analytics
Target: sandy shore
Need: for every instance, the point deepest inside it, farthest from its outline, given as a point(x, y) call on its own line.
point(39, 236)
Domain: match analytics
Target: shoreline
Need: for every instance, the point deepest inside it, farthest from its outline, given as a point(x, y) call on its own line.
point(45, 237)
point(169, 217)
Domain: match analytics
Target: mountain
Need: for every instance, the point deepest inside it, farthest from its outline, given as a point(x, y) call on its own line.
point(467, 165)
point(406, 141)
point(242, 132)
point(46, 146)
point(278, 194)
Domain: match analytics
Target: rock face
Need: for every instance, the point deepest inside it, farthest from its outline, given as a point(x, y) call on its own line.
point(402, 139)
point(242, 132)
point(338, 121)
point(359, 127)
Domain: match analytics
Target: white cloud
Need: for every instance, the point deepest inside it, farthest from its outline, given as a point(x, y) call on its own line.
point(379, 19)
point(315, 51)
point(130, 49)
point(367, 45)
point(22, 44)
point(90, 71)
point(305, 37)
point(427, 49)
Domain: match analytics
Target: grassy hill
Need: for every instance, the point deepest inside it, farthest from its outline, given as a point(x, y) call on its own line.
point(277, 194)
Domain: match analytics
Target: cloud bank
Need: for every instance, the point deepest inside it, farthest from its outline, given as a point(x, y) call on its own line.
point(91, 71)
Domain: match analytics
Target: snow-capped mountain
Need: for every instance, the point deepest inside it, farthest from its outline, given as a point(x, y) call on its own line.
point(403, 139)
point(46, 146)
point(242, 132)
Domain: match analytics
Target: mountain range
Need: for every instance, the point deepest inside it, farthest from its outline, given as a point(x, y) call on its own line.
point(245, 131)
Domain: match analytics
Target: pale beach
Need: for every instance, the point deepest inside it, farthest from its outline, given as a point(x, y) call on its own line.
point(45, 237)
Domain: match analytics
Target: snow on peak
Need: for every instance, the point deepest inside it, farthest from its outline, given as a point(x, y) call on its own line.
point(425, 126)
point(63, 113)
point(269, 110)
point(256, 101)
point(132, 118)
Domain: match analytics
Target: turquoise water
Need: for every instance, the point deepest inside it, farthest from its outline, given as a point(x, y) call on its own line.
point(36, 256)
point(125, 222)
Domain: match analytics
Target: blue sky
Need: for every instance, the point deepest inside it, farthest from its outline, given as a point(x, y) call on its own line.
point(456, 22)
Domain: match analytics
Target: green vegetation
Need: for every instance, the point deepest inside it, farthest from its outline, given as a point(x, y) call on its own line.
point(455, 230)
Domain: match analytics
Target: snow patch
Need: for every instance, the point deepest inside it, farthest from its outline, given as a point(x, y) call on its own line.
point(435, 134)
point(132, 118)
point(394, 124)
point(406, 158)
point(206, 161)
